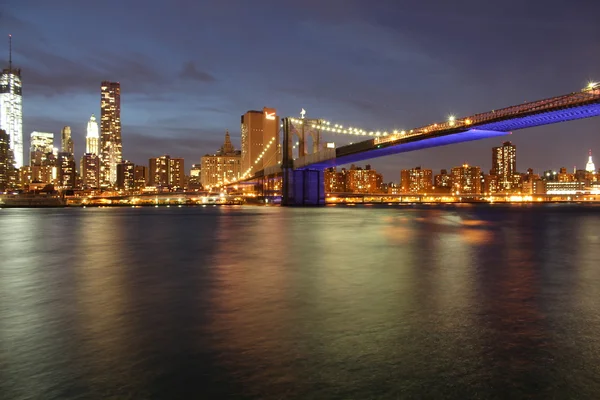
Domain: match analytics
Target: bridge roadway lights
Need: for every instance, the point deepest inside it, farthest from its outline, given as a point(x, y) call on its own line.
point(303, 187)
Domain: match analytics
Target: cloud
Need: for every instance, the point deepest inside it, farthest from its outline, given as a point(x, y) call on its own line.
point(190, 72)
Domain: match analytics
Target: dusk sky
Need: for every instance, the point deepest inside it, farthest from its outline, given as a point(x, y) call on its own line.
point(189, 69)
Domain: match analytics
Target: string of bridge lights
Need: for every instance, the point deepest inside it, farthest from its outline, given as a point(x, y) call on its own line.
point(327, 126)
point(260, 157)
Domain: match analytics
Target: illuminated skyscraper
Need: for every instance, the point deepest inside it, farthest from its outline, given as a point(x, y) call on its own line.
point(260, 133)
point(126, 176)
point(111, 150)
point(11, 107)
point(41, 147)
point(590, 167)
point(92, 136)
point(7, 169)
point(504, 164)
point(66, 141)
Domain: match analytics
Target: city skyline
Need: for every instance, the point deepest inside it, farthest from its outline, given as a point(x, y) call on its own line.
point(387, 86)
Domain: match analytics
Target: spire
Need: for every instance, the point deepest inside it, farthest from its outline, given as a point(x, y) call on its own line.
point(227, 146)
point(10, 53)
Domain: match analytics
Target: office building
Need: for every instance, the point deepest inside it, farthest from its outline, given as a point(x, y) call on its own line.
point(195, 181)
point(90, 171)
point(7, 167)
point(92, 136)
point(166, 173)
point(65, 170)
point(41, 147)
point(466, 180)
point(67, 141)
point(140, 177)
point(11, 108)
point(111, 150)
point(504, 164)
point(416, 180)
point(222, 167)
point(260, 140)
point(126, 176)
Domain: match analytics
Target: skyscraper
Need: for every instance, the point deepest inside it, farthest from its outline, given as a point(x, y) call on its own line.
point(590, 167)
point(66, 143)
point(41, 145)
point(7, 169)
point(111, 150)
point(11, 107)
point(92, 137)
point(260, 132)
point(504, 164)
point(90, 171)
point(126, 176)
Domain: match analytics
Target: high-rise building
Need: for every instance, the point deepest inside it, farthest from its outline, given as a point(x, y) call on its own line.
point(416, 180)
point(7, 168)
point(466, 180)
point(65, 168)
point(67, 141)
point(111, 149)
point(166, 172)
point(260, 140)
point(41, 146)
point(177, 173)
point(335, 181)
point(590, 167)
point(504, 164)
point(490, 184)
point(90, 171)
point(443, 180)
point(126, 176)
point(222, 167)
point(92, 137)
point(11, 108)
point(359, 180)
point(140, 176)
point(195, 182)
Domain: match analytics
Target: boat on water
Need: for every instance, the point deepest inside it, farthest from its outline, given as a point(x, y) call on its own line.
point(31, 201)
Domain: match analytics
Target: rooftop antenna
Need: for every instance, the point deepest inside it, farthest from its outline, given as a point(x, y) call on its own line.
point(10, 53)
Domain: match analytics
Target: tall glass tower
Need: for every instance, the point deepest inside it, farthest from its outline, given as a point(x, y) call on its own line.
point(11, 107)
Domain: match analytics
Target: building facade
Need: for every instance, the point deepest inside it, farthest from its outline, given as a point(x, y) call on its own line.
point(11, 110)
point(41, 147)
point(126, 176)
point(92, 137)
point(111, 149)
point(260, 140)
point(66, 143)
point(7, 168)
point(90, 171)
point(65, 170)
point(466, 180)
point(166, 173)
point(222, 167)
point(416, 180)
point(504, 164)
point(140, 176)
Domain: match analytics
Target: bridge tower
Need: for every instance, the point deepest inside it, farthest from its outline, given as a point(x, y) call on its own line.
point(302, 186)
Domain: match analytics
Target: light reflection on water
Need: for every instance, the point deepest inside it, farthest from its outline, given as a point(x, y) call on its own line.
point(438, 302)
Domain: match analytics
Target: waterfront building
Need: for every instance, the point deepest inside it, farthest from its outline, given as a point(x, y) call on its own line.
point(195, 181)
point(111, 149)
point(92, 136)
point(358, 180)
point(260, 140)
point(65, 169)
point(140, 177)
point(41, 147)
point(466, 180)
point(335, 181)
point(504, 164)
point(126, 176)
point(67, 141)
point(443, 180)
point(416, 180)
point(11, 108)
point(166, 172)
point(564, 188)
point(491, 184)
point(90, 171)
point(222, 167)
point(7, 163)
